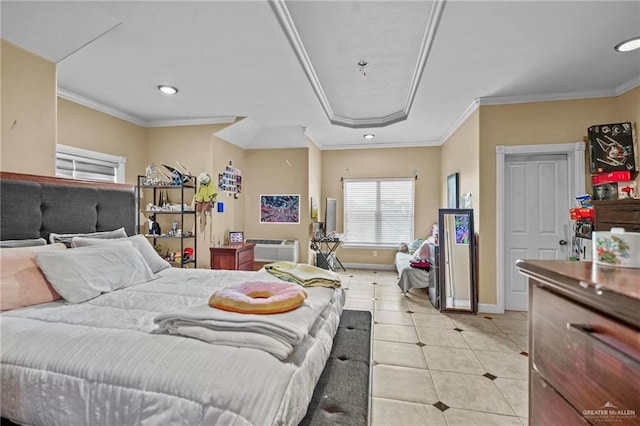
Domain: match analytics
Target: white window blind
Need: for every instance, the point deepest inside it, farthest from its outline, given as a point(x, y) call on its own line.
point(378, 212)
point(77, 163)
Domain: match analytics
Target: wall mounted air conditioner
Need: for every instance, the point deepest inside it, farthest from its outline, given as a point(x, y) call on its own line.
point(274, 250)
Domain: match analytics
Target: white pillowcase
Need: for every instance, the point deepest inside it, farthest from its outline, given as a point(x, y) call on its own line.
point(32, 242)
point(66, 238)
point(139, 241)
point(423, 252)
point(81, 274)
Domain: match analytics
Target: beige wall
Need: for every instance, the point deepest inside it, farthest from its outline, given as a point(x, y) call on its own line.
point(629, 110)
point(315, 187)
point(526, 124)
point(33, 119)
point(87, 128)
point(28, 88)
point(384, 163)
point(277, 171)
point(199, 151)
point(460, 154)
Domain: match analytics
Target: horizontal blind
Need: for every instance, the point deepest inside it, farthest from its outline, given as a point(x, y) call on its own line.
point(378, 211)
point(86, 165)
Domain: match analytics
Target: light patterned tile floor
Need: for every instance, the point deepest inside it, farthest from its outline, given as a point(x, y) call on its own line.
point(431, 368)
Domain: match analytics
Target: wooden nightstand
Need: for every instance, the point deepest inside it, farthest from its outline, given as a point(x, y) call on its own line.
point(232, 257)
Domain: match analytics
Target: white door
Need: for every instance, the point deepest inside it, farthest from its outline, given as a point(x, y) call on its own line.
point(536, 217)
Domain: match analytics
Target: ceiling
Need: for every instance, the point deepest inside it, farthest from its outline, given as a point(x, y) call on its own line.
point(290, 68)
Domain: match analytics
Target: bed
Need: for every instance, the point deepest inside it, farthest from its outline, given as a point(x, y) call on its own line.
point(107, 360)
point(410, 277)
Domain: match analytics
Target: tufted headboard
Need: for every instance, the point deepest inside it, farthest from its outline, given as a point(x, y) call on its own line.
point(34, 206)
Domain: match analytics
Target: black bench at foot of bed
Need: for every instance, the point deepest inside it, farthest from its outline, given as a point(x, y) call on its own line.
point(341, 396)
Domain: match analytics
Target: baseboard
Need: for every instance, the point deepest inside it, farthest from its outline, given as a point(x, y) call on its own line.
point(489, 309)
point(375, 266)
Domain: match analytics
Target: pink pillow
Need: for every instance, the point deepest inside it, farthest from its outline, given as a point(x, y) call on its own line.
point(22, 283)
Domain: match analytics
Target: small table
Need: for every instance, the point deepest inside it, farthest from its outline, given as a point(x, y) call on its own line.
point(325, 256)
point(238, 257)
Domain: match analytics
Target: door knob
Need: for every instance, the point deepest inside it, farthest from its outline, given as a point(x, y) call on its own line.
point(563, 242)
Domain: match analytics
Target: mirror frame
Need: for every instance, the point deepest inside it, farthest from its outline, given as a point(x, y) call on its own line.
point(473, 291)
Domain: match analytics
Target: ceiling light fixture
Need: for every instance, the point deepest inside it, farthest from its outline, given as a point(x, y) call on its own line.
point(167, 90)
point(628, 45)
point(362, 67)
point(369, 136)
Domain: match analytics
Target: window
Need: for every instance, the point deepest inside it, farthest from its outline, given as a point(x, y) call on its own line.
point(77, 163)
point(378, 212)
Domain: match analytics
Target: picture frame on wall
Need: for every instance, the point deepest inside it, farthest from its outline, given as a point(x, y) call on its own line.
point(452, 191)
point(280, 208)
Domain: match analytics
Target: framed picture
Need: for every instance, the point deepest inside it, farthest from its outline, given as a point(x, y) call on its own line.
point(280, 209)
point(611, 148)
point(236, 237)
point(462, 229)
point(452, 191)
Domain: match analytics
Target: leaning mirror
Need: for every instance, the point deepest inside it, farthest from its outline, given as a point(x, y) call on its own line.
point(457, 261)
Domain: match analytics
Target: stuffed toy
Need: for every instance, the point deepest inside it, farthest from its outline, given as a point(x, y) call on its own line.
point(205, 198)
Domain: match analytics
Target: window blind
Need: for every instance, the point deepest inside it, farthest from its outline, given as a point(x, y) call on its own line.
point(378, 212)
point(83, 164)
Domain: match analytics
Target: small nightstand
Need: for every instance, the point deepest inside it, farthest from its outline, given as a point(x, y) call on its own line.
point(232, 257)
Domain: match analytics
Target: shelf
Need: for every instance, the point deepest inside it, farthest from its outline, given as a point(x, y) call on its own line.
point(168, 186)
point(180, 264)
point(170, 211)
point(179, 213)
point(169, 236)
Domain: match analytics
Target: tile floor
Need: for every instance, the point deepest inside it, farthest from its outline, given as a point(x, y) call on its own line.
point(435, 369)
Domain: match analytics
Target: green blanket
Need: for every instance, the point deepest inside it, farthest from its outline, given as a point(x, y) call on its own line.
point(305, 275)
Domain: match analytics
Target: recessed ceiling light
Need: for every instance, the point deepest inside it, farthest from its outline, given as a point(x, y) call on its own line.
point(628, 45)
point(369, 136)
point(168, 90)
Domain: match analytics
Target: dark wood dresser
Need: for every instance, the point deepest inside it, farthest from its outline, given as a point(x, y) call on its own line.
point(232, 257)
point(617, 213)
point(584, 343)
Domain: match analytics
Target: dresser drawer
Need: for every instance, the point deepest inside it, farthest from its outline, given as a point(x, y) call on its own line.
point(549, 406)
point(620, 212)
point(606, 226)
point(245, 256)
point(588, 358)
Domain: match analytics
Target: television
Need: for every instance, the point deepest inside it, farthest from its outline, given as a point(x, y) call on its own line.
point(330, 217)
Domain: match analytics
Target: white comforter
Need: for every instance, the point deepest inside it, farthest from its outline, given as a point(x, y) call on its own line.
point(97, 363)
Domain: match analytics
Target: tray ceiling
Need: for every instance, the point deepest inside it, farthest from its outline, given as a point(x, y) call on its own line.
point(291, 67)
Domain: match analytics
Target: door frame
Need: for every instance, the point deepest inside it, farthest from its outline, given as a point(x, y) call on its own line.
point(576, 185)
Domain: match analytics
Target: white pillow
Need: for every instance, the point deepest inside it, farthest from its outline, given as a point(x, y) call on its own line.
point(66, 238)
point(423, 252)
point(32, 242)
point(139, 241)
point(81, 274)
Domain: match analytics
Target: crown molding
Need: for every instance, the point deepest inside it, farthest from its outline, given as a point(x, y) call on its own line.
point(90, 103)
point(286, 22)
point(227, 119)
point(382, 145)
point(567, 96)
point(628, 85)
point(465, 115)
point(547, 97)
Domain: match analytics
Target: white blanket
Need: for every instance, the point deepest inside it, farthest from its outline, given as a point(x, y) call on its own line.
point(277, 334)
point(97, 363)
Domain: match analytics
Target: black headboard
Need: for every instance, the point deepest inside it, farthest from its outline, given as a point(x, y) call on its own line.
point(33, 206)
